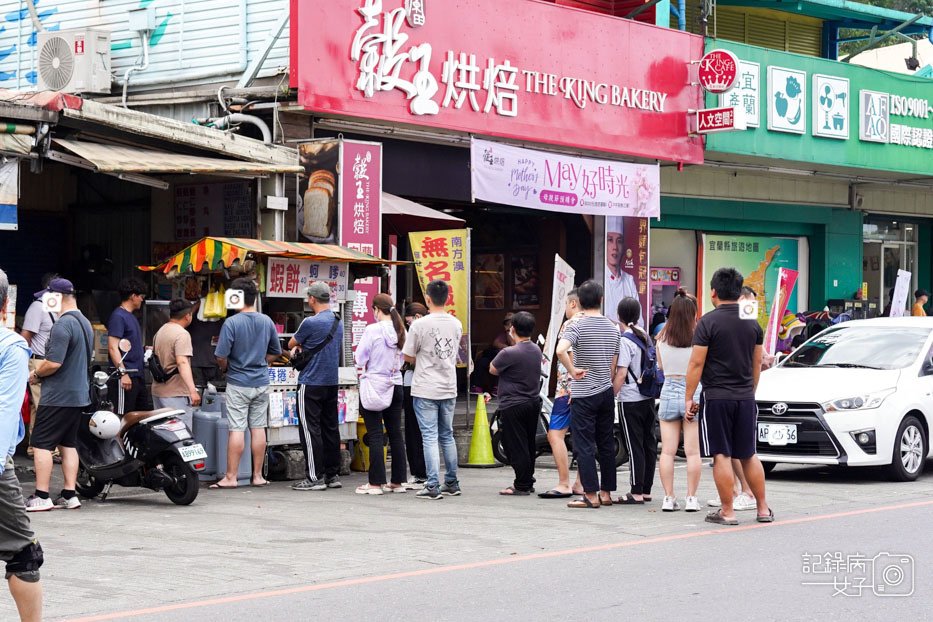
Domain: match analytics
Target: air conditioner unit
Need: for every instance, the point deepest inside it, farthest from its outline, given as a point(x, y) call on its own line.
point(74, 61)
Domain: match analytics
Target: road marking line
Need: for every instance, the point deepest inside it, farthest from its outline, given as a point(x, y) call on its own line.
point(719, 531)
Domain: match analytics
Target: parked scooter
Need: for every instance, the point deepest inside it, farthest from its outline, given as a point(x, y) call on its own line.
point(147, 449)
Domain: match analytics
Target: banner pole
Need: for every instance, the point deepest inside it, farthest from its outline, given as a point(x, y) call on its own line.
point(469, 317)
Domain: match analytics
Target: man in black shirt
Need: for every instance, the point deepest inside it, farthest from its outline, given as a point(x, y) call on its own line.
point(727, 356)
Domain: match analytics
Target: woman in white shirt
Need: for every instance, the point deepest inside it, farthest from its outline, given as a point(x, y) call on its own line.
point(673, 352)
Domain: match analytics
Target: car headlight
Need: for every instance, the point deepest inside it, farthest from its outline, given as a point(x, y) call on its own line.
point(866, 401)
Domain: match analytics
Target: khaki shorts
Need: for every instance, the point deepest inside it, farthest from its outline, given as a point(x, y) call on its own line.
point(247, 405)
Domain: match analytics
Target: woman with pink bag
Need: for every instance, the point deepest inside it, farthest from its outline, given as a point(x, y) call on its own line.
point(379, 356)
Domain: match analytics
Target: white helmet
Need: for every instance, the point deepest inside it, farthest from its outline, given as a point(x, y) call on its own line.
point(104, 424)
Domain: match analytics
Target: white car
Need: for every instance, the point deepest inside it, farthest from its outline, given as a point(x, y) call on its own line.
point(858, 394)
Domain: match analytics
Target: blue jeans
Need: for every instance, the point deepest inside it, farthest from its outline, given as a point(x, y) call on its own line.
point(436, 420)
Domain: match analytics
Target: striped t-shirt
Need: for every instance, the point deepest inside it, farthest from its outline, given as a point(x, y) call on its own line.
point(595, 342)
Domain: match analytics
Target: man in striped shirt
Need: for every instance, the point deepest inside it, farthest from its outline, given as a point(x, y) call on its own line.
point(594, 339)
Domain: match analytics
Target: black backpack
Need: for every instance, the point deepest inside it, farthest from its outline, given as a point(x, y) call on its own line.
point(652, 378)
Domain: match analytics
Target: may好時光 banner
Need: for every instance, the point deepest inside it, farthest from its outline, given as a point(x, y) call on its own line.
point(445, 256)
point(560, 183)
point(758, 258)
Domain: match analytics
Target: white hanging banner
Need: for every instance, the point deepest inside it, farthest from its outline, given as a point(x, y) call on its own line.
point(560, 183)
point(901, 290)
point(9, 195)
point(563, 283)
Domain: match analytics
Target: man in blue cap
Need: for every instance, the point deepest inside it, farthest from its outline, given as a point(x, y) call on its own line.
point(65, 394)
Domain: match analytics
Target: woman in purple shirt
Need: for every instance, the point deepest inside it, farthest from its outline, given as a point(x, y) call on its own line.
point(379, 355)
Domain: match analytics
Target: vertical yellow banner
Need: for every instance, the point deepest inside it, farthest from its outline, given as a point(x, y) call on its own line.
point(445, 256)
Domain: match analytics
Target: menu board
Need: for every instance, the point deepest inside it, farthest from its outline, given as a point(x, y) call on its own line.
point(213, 209)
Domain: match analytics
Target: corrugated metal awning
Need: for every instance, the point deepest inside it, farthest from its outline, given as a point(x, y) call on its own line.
point(115, 159)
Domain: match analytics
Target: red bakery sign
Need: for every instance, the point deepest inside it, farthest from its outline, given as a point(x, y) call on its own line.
point(536, 72)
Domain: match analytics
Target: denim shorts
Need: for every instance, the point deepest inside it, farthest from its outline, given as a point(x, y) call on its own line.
point(673, 399)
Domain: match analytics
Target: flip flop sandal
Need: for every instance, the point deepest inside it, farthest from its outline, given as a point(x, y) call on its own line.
point(628, 499)
point(512, 492)
point(718, 519)
point(769, 518)
point(555, 494)
point(646, 498)
point(262, 485)
point(583, 503)
point(606, 501)
point(217, 486)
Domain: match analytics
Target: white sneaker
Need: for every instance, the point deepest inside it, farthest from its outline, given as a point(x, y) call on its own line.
point(393, 489)
point(693, 504)
point(744, 502)
point(670, 504)
point(413, 484)
point(714, 503)
point(369, 489)
point(35, 504)
point(67, 504)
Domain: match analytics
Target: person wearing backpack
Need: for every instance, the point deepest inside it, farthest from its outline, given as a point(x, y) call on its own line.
point(675, 343)
point(379, 355)
point(170, 364)
point(636, 386)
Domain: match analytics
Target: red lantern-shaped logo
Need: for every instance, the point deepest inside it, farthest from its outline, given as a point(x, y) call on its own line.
point(719, 71)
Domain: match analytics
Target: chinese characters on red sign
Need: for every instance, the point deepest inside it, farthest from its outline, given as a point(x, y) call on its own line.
point(290, 278)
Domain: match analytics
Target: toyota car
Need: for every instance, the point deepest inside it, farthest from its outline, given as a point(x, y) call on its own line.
point(857, 394)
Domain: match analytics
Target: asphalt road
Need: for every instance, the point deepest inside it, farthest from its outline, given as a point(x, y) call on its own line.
point(278, 554)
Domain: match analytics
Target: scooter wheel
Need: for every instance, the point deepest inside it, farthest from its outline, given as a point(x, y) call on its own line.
point(185, 488)
point(86, 486)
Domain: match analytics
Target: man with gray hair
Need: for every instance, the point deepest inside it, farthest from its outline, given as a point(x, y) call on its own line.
point(19, 547)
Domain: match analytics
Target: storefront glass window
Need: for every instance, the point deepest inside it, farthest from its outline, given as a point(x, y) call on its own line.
point(889, 246)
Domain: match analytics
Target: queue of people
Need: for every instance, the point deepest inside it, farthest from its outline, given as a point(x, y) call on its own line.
point(408, 387)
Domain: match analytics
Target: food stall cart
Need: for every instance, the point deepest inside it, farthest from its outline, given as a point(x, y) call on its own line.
point(283, 271)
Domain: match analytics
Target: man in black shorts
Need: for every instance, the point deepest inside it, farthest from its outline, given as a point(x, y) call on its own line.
point(19, 548)
point(65, 394)
point(727, 356)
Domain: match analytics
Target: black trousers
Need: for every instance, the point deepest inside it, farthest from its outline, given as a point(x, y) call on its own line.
point(318, 430)
point(593, 421)
point(414, 445)
point(519, 427)
point(375, 440)
point(135, 398)
point(638, 419)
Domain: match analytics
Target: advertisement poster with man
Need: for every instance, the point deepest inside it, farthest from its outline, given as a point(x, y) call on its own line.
point(626, 264)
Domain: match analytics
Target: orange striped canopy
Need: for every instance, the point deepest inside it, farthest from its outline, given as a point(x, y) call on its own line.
point(213, 254)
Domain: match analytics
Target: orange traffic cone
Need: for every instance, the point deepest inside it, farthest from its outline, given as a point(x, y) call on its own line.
point(480, 441)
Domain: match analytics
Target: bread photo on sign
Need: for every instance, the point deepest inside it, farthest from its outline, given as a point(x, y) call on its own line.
point(320, 208)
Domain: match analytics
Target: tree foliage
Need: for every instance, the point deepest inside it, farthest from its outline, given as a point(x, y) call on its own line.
point(907, 6)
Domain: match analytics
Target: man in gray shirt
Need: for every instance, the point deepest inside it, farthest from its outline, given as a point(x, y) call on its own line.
point(434, 342)
point(65, 394)
point(37, 325)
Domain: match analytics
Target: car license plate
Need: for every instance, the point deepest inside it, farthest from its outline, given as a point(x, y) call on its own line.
point(190, 453)
point(777, 433)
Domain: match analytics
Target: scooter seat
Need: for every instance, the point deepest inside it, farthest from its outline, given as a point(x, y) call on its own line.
point(132, 418)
